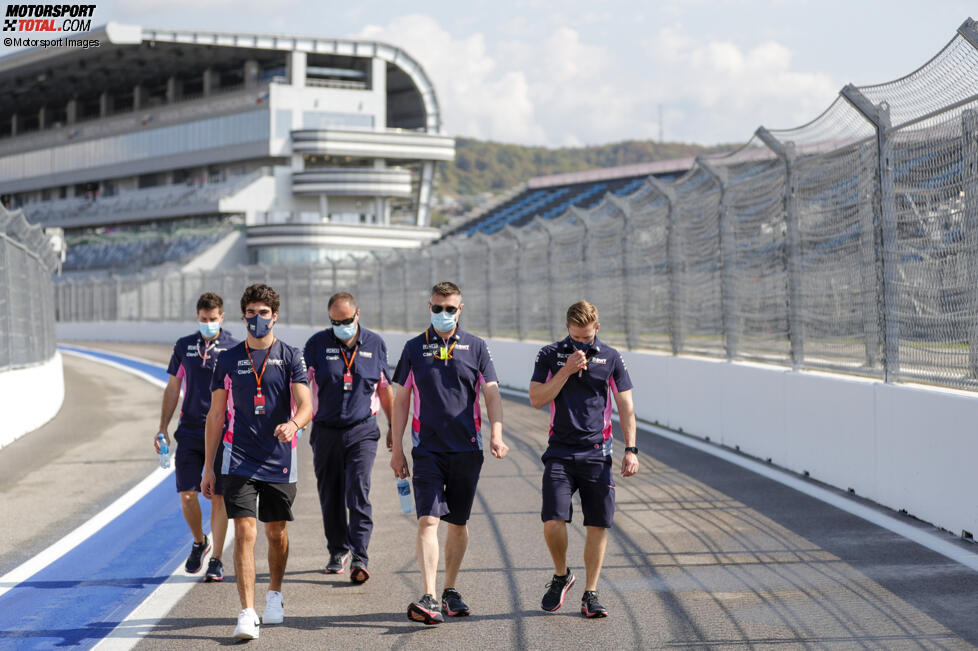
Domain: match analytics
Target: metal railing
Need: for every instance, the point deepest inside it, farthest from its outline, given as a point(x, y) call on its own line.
point(27, 261)
point(849, 243)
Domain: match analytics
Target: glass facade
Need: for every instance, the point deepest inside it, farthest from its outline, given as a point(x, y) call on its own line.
point(212, 133)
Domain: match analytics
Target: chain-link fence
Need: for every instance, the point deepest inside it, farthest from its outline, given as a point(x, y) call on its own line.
point(849, 243)
point(26, 292)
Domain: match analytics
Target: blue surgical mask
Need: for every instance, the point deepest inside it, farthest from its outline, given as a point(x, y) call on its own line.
point(209, 330)
point(443, 321)
point(581, 345)
point(258, 326)
point(344, 332)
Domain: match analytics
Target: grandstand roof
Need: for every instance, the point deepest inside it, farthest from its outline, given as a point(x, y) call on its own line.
point(610, 173)
point(50, 75)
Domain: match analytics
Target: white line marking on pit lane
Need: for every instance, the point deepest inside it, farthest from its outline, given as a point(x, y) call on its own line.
point(85, 531)
point(141, 621)
point(922, 537)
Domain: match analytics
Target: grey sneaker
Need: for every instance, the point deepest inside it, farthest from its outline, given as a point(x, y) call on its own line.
point(336, 563)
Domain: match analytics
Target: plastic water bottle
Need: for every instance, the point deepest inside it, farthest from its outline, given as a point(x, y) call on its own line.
point(164, 451)
point(404, 494)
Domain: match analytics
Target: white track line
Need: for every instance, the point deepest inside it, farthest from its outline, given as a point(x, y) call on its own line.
point(34, 565)
point(931, 541)
point(141, 621)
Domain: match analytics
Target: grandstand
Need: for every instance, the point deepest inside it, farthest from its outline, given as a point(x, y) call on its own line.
point(331, 142)
point(551, 196)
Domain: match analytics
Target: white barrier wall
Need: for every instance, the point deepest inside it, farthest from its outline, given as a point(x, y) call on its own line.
point(903, 446)
point(29, 398)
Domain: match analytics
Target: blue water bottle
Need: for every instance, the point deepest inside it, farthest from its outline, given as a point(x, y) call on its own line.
point(404, 494)
point(164, 451)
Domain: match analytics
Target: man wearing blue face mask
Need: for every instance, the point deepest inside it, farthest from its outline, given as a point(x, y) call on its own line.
point(350, 383)
point(443, 370)
point(192, 365)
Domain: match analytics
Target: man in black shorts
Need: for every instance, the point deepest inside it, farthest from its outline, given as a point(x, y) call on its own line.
point(192, 365)
point(578, 377)
point(444, 369)
point(261, 377)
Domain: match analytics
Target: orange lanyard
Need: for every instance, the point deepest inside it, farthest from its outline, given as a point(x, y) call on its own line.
point(448, 353)
point(349, 364)
point(258, 376)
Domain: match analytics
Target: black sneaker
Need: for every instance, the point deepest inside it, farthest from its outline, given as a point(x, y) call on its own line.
point(196, 559)
point(358, 570)
point(558, 587)
point(591, 607)
point(215, 570)
point(425, 610)
point(452, 604)
point(336, 563)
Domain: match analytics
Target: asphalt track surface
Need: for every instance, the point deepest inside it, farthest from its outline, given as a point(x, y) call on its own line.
point(703, 554)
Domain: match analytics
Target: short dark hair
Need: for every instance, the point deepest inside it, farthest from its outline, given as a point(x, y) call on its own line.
point(342, 296)
point(260, 293)
point(446, 288)
point(210, 300)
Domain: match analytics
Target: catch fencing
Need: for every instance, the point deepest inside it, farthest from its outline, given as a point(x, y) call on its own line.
point(27, 260)
point(849, 244)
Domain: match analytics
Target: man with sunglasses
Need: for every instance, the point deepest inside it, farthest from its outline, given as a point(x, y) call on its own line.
point(444, 369)
point(578, 377)
point(262, 378)
point(350, 383)
point(192, 365)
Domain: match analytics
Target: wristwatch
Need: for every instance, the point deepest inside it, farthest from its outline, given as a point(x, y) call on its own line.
point(633, 450)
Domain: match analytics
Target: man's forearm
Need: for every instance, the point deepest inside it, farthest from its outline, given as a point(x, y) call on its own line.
point(212, 436)
point(545, 393)
point(170, 400)
point(386, 396)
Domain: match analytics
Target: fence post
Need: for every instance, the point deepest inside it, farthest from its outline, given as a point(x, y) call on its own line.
point(625, 208)
point(406, 287)
point(518, 290)
point(380, 288)
point(969, 146)
point(486, 241)
point(728, 260)
point(885, 231)
point(796, 325)
point(9, 298)
point(551, 285)
point(585, 267)
point(677, 330)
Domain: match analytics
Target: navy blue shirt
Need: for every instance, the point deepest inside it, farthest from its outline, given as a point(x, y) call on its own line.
point(193, 362)
point(253, 450)
point(323, 354)
point(580, 415)
point(447, 417)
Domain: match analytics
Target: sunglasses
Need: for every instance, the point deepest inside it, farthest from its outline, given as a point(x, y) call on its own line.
point(343, 322)
point(451, 309)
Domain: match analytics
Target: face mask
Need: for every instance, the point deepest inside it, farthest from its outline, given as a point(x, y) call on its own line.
point(209, 330)
point(581, 345)
point(344, 332)
point(443, 321)
point(258, 326)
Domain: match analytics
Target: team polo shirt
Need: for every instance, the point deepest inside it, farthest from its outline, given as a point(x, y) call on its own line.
point(323, 354)
point(253, 450)
point(193, 362)
point(580, 415)
point(446, 392)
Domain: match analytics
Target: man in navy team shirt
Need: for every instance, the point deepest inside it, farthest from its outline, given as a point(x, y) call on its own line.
point(577, 377)
point(351, 382)
point(264, 380)
point(444, 368)
point(192, 365)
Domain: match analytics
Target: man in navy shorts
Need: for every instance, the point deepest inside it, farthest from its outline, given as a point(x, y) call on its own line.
point(192, 365)
point(444, 369)
point(350, 384)
point(262, 378)
point(578, 377)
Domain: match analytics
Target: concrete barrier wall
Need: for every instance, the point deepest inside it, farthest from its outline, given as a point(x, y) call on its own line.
point(903, 446)
point(29, 398)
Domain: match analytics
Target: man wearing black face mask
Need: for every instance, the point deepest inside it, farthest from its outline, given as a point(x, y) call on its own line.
point(578, 377)
point(262, 377)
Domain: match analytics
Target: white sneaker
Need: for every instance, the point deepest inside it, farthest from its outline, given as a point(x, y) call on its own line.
point(274, 608)
point(247, 628)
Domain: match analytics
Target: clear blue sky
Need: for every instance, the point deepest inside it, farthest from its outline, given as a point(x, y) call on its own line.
point(575, 72)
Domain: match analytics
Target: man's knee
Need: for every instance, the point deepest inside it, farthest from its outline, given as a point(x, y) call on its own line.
point(276, 532)
point(186, 497)
point(426, 522)
point(245, 530)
